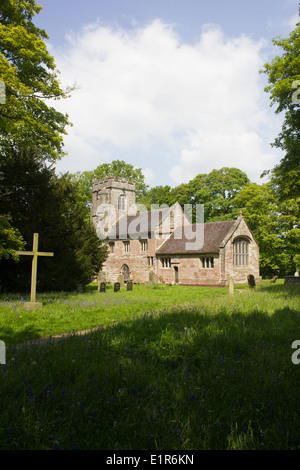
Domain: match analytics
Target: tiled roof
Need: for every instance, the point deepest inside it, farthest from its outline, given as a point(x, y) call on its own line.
point(207, 238)
point(140, 225)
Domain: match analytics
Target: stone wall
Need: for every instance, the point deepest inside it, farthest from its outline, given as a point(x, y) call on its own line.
point(190, 270)
point(138, 261)
point(106, 192)
point(240, 273)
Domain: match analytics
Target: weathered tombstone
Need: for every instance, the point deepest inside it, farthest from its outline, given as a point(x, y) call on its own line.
point(274, 279)
point(251, 281)
point(101, 278)
point(292, 281)
point(117, 286)
point(120, 279)
point(230, 286)
point(153, 278)
point(129, 285)
point(102, 286)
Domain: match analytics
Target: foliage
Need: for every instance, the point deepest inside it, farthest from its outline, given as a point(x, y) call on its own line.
point(39, 201)
point(215, 190)
point(10, 239)
point(260, 208)
point(284, 83)
point(30, 77)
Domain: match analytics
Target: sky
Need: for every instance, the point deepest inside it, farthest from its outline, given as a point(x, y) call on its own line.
point(170, 86)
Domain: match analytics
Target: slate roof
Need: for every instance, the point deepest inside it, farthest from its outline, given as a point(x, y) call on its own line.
point(214, 236)
point(140, 225)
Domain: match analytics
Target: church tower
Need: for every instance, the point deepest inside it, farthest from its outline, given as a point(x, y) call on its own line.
point(112, 199)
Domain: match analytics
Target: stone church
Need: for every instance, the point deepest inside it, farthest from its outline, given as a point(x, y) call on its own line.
point(165, 243)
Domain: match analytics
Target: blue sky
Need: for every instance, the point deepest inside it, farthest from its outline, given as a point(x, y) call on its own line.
point(169, 86)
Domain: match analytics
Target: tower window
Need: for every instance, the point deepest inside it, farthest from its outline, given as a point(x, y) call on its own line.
point(121, 202)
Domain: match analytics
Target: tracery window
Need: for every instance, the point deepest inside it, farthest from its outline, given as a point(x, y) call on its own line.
point(241, 252)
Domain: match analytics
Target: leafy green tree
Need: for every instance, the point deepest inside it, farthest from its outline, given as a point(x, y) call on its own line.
point(157, 195)
point(10, 239)
point(284, 88)
point(259, 206)
point(215, 190)
point(274, 226)
point(30, 77)
point(37, 200)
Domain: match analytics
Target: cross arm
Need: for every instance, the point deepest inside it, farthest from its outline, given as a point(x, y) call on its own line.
point(32, 253)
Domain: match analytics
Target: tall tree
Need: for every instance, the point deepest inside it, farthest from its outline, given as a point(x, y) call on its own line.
point(284, 88)
point(37, 200)
point(31, 78)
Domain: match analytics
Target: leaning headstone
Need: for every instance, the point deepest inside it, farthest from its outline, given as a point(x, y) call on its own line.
point(251, 281)
point(153, 278)
point(230, 286)
point(117, 286)
point(129, 285)
point(102, 287)
point(120, 279)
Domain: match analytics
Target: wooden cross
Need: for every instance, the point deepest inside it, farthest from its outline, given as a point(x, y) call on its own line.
point(35, 253)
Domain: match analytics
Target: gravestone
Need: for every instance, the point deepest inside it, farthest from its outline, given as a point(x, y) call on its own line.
point(153, 278)
point(117, 286)
point(230, 286)
point(251, 281)
point(102, 286)
point(129, 285)
point(292, 281)
point(120, 279)
point(101, 276)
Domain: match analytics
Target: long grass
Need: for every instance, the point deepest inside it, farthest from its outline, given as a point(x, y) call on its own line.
point(175, 368)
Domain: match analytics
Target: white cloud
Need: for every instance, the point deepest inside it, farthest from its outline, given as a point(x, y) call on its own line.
point(204, 102)
point(149, 175)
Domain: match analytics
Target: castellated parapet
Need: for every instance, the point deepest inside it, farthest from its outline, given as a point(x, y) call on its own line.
point(112, 198)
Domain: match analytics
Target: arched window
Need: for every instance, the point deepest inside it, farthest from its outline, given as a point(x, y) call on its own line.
point(126, 272)
point(121, 202)
point(241, 252)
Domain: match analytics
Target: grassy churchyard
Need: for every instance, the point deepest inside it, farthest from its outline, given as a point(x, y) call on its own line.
point(173, 368)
